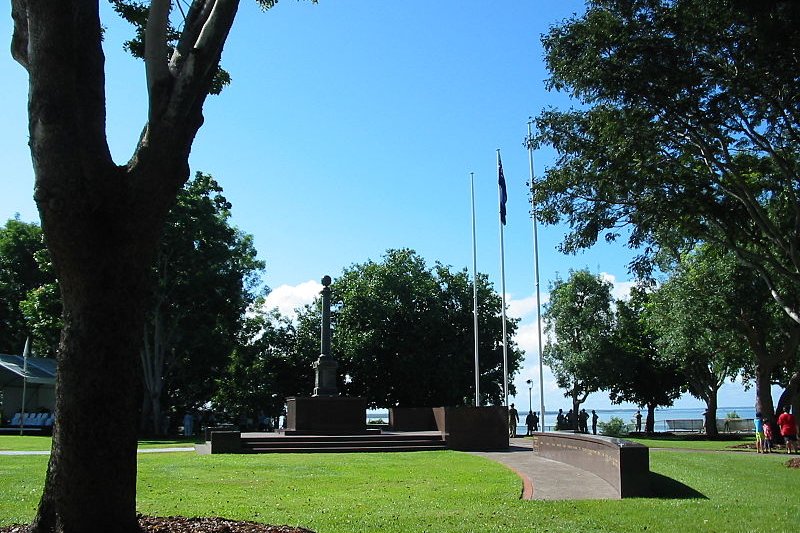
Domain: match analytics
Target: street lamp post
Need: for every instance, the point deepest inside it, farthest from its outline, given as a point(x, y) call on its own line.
point(530, 401)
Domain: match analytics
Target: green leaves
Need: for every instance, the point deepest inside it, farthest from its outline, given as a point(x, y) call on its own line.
point(688, 131)
point(579, 321)
point(23, 274)
point(403, 333)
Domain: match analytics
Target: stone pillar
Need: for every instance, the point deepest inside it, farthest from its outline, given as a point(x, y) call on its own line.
point(325, 367)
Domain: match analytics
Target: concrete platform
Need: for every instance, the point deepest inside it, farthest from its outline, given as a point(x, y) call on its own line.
point(544, 479)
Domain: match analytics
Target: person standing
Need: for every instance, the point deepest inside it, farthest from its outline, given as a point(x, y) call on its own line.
point(767, 436)
point(759, 426)
point(513, 420)
point(638, 421)
point(583, 419)
point(594, 422)
point(529, 422)
point(788, 425)
point(535, 422)
point(560, 420)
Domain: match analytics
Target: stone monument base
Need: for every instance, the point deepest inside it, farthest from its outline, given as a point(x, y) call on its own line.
point(326, 415)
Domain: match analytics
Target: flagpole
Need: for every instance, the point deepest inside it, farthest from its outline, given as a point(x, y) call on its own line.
point(25, 353)
point(475, 293)
point(502, 193)
point(536, 265)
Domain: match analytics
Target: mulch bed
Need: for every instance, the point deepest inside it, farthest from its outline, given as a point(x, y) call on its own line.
point(179, 524)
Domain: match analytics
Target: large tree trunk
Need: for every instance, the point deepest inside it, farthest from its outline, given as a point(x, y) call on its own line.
point(102, 223)
point(764, 403)
point(91, 476)
point(767, 361)
point(154, 356)
point(711, 414)
point(790, 394)
point(650, 421)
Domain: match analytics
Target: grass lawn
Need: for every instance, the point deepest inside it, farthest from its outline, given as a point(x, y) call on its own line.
point(437, 492)
point(696, 442)
point(37, 443)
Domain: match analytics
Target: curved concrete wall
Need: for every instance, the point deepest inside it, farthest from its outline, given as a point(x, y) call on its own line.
point(623, 464)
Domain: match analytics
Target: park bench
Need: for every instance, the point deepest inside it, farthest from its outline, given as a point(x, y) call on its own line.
point(688, 424)
point(726, 425)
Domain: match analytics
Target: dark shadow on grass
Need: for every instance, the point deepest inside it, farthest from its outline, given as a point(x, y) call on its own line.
point(668, 488)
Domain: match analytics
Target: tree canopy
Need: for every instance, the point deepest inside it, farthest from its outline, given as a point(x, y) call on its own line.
point(271, 362)
point(694, 317)
point(20, 273)
point(688, 130)
point(403, 334)
point(205, 276)
point(579, 321)
point(636, 371)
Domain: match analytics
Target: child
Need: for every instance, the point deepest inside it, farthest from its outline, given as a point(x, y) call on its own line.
point(759, 433)
point(767, 444)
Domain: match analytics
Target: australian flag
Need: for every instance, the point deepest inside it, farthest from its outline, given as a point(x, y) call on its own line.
point(501, 182)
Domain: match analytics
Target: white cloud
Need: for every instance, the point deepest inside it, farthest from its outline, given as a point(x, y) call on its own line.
point(288, 298)
point(527, 338)
point(621, 289)
point(521, 308)
point(525, 307)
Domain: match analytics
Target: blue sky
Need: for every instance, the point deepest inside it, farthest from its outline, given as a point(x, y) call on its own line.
point(352, 127)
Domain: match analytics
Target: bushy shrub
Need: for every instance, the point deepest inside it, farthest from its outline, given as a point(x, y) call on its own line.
point(615, 427)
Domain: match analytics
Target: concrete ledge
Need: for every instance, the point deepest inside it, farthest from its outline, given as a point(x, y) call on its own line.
point(623, 464)
point(473, 428)
point(326, 415)
point(226, 442)
point(412, 419)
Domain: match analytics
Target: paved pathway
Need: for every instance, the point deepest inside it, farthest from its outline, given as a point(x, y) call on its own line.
point(544, 479)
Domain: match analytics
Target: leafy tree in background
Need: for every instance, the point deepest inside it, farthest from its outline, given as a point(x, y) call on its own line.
point(579, 322)
point(688, 130)
point(772, 337)
point(743, 303)
point(269, 364)
point(102, 224)
point(403, 334)
point(637, 372)
point(696, 328)
point(20, 243)
point(205, 277)
point(43, 310)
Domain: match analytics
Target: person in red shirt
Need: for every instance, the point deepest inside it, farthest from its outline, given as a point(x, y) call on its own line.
point(788, 425)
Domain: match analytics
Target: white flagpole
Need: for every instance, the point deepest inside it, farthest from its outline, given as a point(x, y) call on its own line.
point(536, 264)
point(475, 293)
point(25, 354)
point(503, 287)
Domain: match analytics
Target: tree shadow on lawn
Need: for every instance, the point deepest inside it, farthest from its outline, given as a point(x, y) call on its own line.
point(665, 487)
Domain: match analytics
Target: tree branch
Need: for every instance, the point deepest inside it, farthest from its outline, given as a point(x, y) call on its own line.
point(19, 41)
point(199, 66)
point(155, 55)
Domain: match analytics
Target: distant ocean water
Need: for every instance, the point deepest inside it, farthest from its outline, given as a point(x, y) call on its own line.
point(627, 415)
point(661, 415)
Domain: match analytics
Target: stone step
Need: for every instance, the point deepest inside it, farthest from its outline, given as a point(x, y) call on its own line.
point(342, 443)
point(347, 449)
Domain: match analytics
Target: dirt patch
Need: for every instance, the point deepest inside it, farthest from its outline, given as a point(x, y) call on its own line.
point(793, 463)
point(179, 524)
